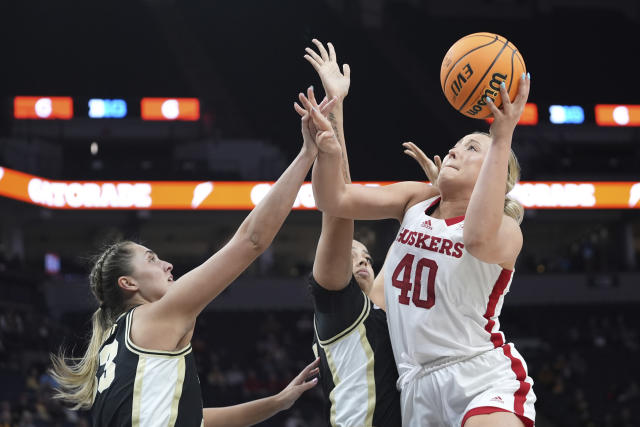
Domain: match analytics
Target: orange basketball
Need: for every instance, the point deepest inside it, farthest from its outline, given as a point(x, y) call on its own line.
point(474, 67)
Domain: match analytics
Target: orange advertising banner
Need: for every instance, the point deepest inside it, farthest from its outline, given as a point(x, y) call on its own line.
point(244, 195)
point(43, 107)
point(617, 115)
point(170, 109)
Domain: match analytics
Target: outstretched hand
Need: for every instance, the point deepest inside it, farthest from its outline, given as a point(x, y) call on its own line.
point(430, 167)
point(308, 127)
point(505, 120)
point(319, 127)
point(299, 385)
point(325, 63)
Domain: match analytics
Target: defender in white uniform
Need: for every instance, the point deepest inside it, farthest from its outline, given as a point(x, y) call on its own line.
point(447, 272)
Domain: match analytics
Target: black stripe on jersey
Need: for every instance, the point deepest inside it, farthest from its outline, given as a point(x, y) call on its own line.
point(387, 412)
point(387, 398)
point(190, 413)
point(363, 315)
point(134, 348)
point(326, 379)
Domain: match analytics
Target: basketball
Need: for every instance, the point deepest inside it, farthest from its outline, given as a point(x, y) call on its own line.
point(473, 69)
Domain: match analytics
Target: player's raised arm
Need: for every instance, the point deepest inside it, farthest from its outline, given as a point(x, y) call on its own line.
point(489, 234)
point(334, 197)
point(332, 267)
point(335, 84)
point(193, 291)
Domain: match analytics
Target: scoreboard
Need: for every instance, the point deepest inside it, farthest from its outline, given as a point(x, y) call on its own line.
point(67, 108)
point(188, 109)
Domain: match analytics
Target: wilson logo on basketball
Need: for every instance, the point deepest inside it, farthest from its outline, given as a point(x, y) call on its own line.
point(494, 84)
point(462, 78)
point(486, 55)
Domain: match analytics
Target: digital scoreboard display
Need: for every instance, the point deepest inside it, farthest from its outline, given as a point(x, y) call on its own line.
point(107, 108)
point(566, 114)
point(64, 108)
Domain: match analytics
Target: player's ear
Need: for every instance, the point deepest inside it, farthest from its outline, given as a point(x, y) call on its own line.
point(127, 283)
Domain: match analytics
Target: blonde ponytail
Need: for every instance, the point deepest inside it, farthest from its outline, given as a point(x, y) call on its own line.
point(76, 377)
point(512, 207)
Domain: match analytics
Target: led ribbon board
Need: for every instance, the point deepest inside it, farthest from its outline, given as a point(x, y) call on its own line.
point(244, 195)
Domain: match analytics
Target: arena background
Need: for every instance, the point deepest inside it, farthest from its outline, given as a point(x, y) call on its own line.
point(573, 308)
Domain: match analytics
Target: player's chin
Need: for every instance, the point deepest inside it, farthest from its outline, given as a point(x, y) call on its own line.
point(449, 176)
point(445, 175)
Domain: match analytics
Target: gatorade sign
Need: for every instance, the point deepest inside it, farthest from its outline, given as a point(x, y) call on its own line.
point(75, 195)
point(244, 195)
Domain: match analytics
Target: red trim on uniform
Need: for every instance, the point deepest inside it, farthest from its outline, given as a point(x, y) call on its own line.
point(517, 367)
point(448, 221)
point(486, 410)
point(494, 297)
point(454, 220)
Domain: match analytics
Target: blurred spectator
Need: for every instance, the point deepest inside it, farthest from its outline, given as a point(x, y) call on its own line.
point(585, 372)
point(295, 420)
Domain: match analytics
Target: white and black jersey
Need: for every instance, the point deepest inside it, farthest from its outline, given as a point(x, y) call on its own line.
point(357, 371)
point(139, 387)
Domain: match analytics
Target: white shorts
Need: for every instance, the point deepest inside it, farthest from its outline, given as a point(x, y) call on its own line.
point(493, 381)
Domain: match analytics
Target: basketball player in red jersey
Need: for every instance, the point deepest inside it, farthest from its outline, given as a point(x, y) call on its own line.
point(446, 274)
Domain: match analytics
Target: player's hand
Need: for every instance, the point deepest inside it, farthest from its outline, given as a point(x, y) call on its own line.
point(430, 167)
point(325, 137)
point(325, 63)
point(309, 131)
point(308, 128)
point(299, 385)
point(505, 120)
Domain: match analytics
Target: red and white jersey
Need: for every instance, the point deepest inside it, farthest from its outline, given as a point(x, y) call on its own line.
point(442, 302)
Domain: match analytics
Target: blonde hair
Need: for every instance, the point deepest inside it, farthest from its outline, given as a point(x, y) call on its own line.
point(512, 207)
point(76, 377)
